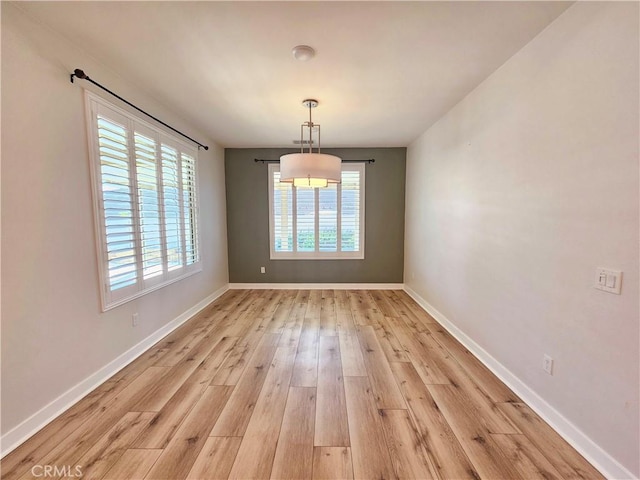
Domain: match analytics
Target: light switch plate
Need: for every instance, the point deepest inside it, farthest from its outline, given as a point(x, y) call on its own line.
point(608, 280)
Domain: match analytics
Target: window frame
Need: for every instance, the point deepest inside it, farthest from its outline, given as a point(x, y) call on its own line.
point(94, 105)
point(318, 255)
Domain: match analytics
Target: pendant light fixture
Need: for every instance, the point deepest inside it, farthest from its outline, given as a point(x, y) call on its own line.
point(310, 169)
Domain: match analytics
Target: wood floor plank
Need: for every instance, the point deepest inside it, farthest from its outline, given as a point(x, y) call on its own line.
point(271, 303)
point(440, 443)
point(383, 384)
point(391, 346)
point(215, 459)
point(108, 449)
point(314, 304)
point(405, 446)
point(332, 463)
point(213, 362)
point(229, 299)
point(17, 462)
point(68, 450)
point(345, 323)
point(341, 301)
point(416, 323)
point(420, 353)
point(293, 325)
point(351, 356)
point(562, 456)
point(134, 464)
point(90, 407)
point(525, 457)
point(328, 315)
point(155, 397)
point(305, 370)
point(412, 308)
point(462, 415)
point(234, 364)
point(183, 346)
point(165, 423)
point(294, 454)
point(489, 414)
point(257, 450)
point(363, 318)
point(369, 451)
point(242, 324)
point(359, 301)
point(331, 428)
point(497, 390)
point(281, 313)
point(382, 303)
point(235, 417)
point(178, 457)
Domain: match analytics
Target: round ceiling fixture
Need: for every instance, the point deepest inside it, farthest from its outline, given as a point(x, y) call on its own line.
point(303, 53)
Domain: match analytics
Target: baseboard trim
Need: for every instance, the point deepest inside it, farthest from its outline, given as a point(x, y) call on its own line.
point(29, 427)
point(316, 286)
point(599, 458)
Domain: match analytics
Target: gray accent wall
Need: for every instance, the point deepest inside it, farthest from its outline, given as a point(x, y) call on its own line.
point(248, 221)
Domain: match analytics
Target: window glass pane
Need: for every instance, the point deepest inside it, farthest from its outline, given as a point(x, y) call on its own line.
point(350, 211)
point(305, 219)
point(328, 218)
point(148, 206)
point(117, 202)
point(171, 205)
point(282, 215)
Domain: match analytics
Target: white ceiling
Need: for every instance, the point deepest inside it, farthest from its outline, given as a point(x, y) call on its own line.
point(383, 73)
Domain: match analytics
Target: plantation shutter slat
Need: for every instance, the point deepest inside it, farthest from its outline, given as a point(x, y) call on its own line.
point(350, 215)
point(305, 220)
point(149, 206)
point(282, 200)
point(117, 200)
point(189, 204)
point(171, 206)
point(328, 218)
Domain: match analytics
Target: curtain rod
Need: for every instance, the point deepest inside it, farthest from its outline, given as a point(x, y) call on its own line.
point(80, 74)
point(369, 160)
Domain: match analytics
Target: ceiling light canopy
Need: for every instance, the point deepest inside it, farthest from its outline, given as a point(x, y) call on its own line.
point(310, 169)
point(303, 53)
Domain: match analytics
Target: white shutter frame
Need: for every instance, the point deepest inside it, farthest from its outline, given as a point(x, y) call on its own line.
point(94, 110)
point(95, 105)
point(319, 255)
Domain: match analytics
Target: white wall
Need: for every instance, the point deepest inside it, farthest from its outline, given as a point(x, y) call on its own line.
point(513, 199)
point(53, 334)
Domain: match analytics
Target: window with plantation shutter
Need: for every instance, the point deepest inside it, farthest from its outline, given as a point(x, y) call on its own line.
point(146, 204)
point(317, 223)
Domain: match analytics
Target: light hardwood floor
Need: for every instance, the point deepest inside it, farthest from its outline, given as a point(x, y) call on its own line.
point(309, 384)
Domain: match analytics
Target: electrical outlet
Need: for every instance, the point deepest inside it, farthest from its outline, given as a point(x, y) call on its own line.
point(547, 364)
point(134, 319)
point(263, 270)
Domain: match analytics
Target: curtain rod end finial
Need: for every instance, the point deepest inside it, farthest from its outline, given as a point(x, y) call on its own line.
point(78, 73)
